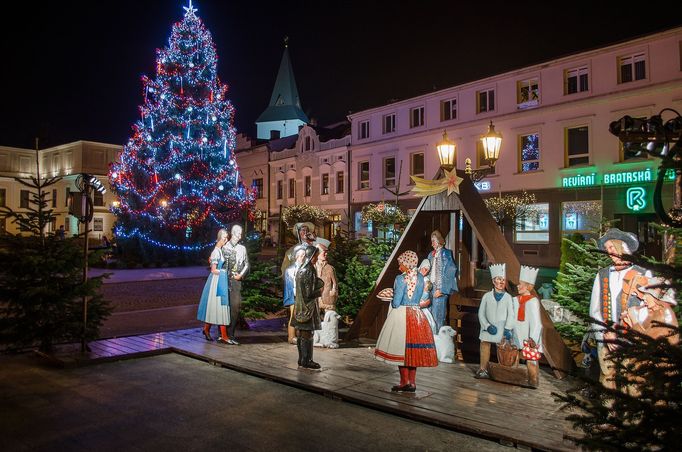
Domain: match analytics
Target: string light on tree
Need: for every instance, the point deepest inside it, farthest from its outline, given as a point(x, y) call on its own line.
point(175, 179)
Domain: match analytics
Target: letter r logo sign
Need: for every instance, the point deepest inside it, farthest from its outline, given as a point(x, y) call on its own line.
point(635, 198)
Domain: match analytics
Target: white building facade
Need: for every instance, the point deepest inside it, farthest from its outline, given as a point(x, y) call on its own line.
point(554, 118)
point(66, 161)
point(310, 168)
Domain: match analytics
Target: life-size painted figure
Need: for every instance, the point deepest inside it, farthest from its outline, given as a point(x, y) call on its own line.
point(528, 323)
point(613, 292)
point(306, 310)
point(214, 305)
point(496, 316)
point(237, 266)
point(406, 338)
point(443, 276)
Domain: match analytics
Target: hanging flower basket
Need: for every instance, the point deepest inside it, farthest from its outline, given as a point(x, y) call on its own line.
point(302, 213)
point(384, 214)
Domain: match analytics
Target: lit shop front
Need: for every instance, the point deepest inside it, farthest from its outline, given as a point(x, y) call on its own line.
point(578, 204)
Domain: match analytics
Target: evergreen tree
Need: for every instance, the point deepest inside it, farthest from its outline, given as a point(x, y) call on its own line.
point(358, 264)
point(41, 279)
point(643, 411)
point(580, 262)
point(177, 178)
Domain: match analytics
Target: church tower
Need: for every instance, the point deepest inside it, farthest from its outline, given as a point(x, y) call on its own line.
point(284, 114)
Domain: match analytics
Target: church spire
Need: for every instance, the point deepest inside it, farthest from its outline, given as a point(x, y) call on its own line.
point(284, 112)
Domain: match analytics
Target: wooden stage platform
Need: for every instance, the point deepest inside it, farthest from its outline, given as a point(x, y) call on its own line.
point(446, 396)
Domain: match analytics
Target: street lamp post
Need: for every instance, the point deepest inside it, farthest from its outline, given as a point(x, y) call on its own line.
point(82, 208)
point(492, 141)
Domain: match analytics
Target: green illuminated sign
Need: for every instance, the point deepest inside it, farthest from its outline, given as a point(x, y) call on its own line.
point(628, 177)
point(579, 181)
point(619, 178)
point(635, 198)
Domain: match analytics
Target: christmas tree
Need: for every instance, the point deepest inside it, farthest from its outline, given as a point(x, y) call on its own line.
point(177, 178)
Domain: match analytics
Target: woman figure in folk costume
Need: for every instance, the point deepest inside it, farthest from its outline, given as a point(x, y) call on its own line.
point(406, 338)
point(528, 323)
point(214, 305)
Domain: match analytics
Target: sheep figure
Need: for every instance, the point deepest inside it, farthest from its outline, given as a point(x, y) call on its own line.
point(328, 336)
point(445, 344)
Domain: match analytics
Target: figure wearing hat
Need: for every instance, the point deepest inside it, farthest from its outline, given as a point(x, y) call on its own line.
point(496, 316)
point(302, 232)
point(306, 317)
point(443, 276)
point(613, 292)
point(528, 323)
point(325, 271)
point(290, 288)
point(406, 339)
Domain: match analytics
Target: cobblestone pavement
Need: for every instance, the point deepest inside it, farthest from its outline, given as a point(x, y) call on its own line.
point(142, 295)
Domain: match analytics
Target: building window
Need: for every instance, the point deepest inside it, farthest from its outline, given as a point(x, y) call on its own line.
point(580, 217)
point(292, 188)
point(577, 146)
point(529, 152)
point(98, 199)
point(533, 225)
point(54, 198)
point(632, 67)
point(389, 123)
point(417, 164)
point(23, 199)
point(575, 80)
point(527, 93)
point(363, 172)
point(280, 189)
point(340, 184)
point(624, 156)
point(308, 185)
point(3, 197)
point(416, 117)
point(363, 131)
point(389, 172)
point(67, 196)
point(257, 185)
point(98, 224)
point(485, 100)
point(308, 143)
point(335, 220)
point(448, 109)
point(325, 184)
point(480, 158)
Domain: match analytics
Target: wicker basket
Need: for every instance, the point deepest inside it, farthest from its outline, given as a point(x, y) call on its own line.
point(507, 354)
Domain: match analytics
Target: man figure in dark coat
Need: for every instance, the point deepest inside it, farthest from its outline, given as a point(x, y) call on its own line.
point(306, 310)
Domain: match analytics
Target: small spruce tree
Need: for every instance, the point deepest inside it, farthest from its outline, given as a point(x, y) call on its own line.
point(41, 279)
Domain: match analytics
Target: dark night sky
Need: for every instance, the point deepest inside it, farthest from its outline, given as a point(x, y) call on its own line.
point(71, 70)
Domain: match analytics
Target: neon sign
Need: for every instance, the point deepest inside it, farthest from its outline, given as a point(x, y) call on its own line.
point(619, 178)
point(579, 180)
point(628, 177)
point(482, 186)
point(635, 198)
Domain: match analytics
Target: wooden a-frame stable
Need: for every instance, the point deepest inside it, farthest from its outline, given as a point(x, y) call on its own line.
point(443, 212)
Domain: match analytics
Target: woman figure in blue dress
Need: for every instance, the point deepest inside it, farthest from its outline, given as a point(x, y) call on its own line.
point(214, 306)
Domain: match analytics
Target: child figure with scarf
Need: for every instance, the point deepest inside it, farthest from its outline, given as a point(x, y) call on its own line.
point(406, 338)
point(527, 323)
point(496, 316)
